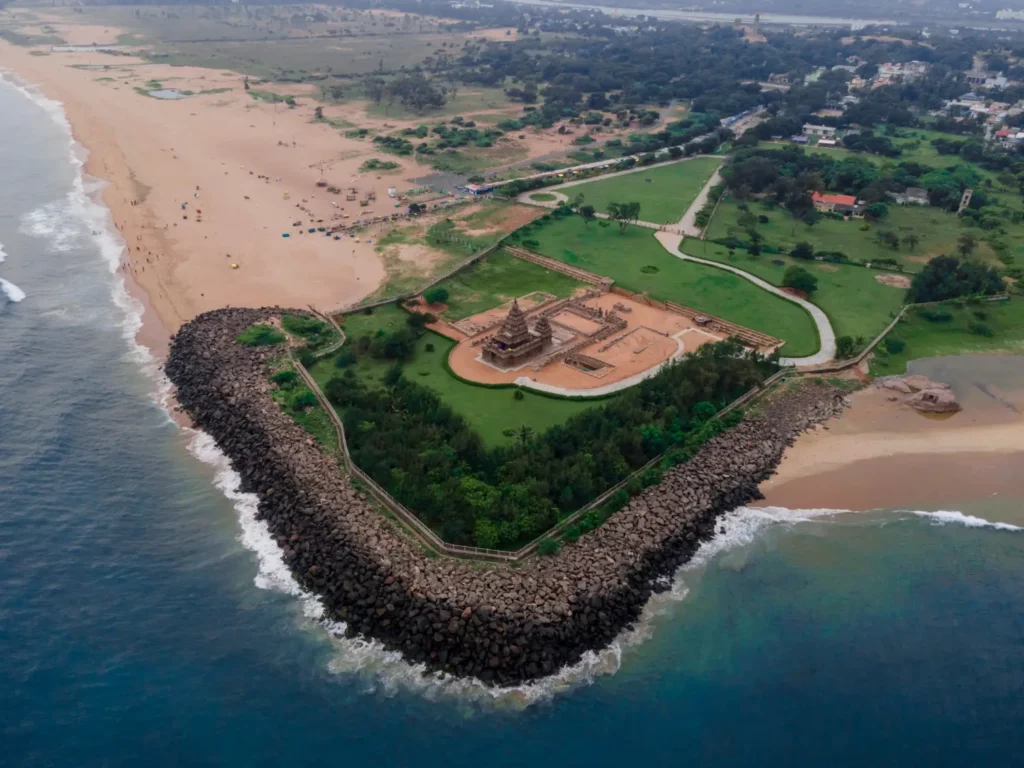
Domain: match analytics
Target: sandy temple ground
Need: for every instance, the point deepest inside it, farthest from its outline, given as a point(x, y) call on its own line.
point(651, 337)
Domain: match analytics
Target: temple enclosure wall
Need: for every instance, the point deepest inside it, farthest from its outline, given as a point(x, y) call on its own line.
point(500, 624)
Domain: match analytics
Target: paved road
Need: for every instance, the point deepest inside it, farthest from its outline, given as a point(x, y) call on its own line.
point(826, 335)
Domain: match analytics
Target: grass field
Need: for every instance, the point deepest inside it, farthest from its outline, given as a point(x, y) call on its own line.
point(664, 193)
point(488, 411)
point(636, 261)
point(856, 303)
point(936, 230)
point(924, 338)
point(498, 278)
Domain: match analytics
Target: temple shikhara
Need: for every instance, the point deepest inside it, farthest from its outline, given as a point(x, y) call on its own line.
point(515, 343)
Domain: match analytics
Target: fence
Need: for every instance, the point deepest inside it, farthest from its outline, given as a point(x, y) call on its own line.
point(422, 532)
point(835, 367)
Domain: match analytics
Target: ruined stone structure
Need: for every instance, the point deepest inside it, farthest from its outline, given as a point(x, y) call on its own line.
point(515, 344)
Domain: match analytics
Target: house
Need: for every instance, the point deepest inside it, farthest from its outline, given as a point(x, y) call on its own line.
point(844, 204)
point(910, 196)
point(819, 131)
point(782, 79)
point(980, 78)
point(799, 139)
point(827, 142)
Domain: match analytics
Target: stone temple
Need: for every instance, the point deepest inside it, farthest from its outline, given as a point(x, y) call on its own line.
point(515, 343)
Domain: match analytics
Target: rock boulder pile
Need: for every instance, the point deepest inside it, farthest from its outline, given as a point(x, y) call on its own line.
point(921, 393)
point(498, 623)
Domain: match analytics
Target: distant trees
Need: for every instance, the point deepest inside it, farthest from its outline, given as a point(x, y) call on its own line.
point(800, 279)
point(946, 277)
point(624, 213)
point(415, 91)
point(910, 241)
point(966, 244)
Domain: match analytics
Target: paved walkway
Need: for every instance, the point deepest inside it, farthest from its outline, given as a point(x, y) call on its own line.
point(826, 335)
point(688, 224)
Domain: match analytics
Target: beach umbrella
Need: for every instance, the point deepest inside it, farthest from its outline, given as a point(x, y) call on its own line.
point(234, 266)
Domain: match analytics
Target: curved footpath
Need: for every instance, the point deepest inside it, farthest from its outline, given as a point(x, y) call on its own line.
point(500, 624)
point(826, 335)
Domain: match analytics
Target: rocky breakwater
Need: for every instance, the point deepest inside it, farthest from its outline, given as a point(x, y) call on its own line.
point(501, 624)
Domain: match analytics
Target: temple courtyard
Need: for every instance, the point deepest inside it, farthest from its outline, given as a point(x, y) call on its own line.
point(592, 340)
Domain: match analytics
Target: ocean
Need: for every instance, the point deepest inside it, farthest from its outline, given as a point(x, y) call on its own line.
point(146, 618)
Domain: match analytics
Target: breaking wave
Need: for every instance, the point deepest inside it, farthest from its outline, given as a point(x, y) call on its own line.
point(947, 517)
point(80, 219)
point(11, 291)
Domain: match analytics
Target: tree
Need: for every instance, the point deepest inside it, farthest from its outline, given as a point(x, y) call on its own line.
point(318, 113)
point(876, 211)
point(577, 202)
point(911, 241)
point(966, 244)
point(845, 347)
point(588, 213)
point(803, 251)
point(800, 279)
point(946, 277)
point(624, 213)
point(436, 295)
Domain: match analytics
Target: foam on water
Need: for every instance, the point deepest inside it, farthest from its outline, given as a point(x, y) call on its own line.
point(948, 517)
point(11, 291)
point(3, 255)
point(81, 218)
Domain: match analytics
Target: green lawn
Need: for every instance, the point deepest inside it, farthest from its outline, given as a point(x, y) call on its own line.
point(636, 261)
point(488, 411)
point(925, 338)
point(498, 278)
point(664, 193)
point(937, 232)
point(856, 303)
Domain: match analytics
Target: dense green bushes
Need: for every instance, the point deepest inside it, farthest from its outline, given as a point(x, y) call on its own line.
point(413, 444)
point(260, 336)
point(946, 277)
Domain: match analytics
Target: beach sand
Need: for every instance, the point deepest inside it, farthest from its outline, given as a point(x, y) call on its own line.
point(880, 453)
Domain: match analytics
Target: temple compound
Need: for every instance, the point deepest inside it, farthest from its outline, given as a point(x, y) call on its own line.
point(515, 343)
point(600, 338)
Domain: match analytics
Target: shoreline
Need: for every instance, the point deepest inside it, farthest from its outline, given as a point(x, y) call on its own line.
point(880, 453)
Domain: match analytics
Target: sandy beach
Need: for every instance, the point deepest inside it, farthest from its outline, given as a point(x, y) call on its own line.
point(203, 188)
point(882, 453)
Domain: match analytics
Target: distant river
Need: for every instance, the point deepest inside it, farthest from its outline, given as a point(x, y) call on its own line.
point(724, 18)
point(145, 619)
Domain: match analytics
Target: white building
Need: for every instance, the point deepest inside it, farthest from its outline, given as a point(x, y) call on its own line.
point(819, 131)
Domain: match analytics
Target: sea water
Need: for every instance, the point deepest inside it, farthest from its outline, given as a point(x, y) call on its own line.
point(146, 617)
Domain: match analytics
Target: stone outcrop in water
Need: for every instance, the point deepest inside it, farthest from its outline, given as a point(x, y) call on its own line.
point(501, 624)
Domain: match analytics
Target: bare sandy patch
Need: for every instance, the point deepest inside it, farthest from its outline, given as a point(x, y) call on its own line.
point(895, 281)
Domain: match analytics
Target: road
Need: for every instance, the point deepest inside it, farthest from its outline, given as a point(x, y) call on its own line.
point(827, 337)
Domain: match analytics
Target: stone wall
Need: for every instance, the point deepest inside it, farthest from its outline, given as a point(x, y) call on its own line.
point(503, 625)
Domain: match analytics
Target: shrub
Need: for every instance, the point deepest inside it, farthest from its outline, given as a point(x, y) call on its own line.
point(345, 359)
point(895, 346)
point(981, 329)
point(800, 279)
point(936, 315)
point(285, 379)
point(573, 533)
point(980, 314)
point(304, 401)
point(762, 219)
point(260, 336)
point(803, 251)
point(547, 547)
point(428, 347)
point(845, 347)
point(518, 394)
